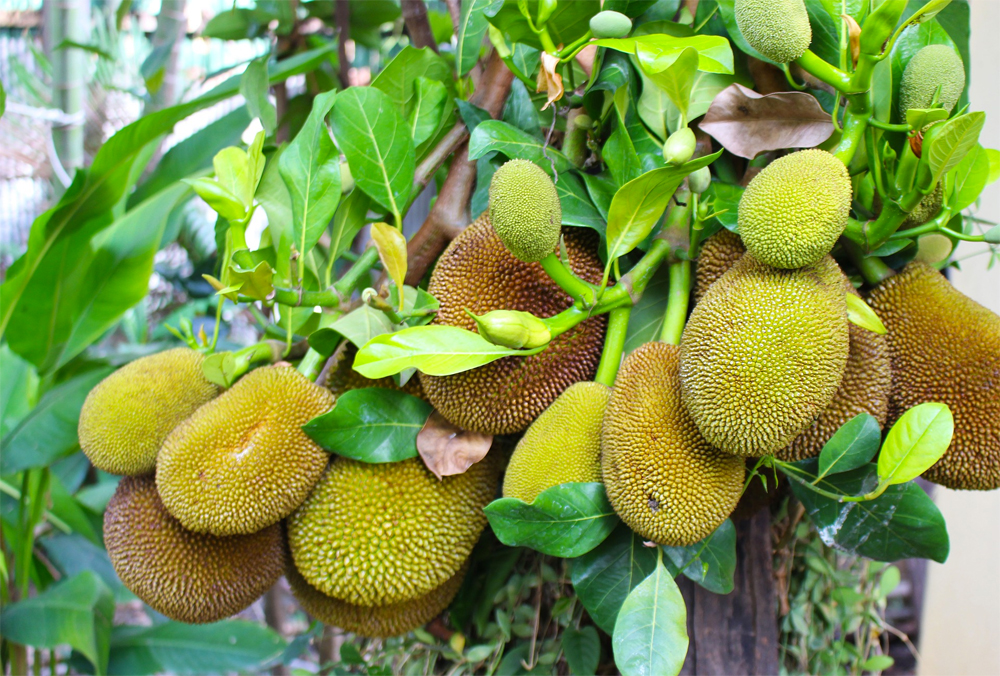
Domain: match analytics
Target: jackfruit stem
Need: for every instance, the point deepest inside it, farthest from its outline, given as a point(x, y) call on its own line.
point(871, 268)
point(824, 72)
point(677, 303)
point(614, 345)
point(581, 291)
point(311, 364)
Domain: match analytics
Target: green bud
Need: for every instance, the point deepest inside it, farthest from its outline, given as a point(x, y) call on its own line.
point(545, 10)
point(679, 148)
point(583, 122)
point(700, 180)
point(610, 24)
point(498, 42)
point(513, 329)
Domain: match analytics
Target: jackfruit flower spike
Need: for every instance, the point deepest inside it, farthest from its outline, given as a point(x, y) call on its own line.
point(513, 329)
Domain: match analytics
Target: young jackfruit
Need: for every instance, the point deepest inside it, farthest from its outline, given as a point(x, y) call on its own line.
point(376, 534)
point(391, 619)
point(525, 211)
point(763, 353)
point(932, 67)
point(562, 446)
point(945, 348)
point(778, 29)
point(610, 24)
point(189, 577)
point(125, 419)
point(794, 210)
point(242, 461)
point(719, 253)
point(663, 479)
point(478, 274)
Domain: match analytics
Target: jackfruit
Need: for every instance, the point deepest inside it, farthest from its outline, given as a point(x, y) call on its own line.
point(242, 461)
point(610, 24)
point(680, 146)
point(778, 29)
point(763, 353)
point(525, 210)
point(932, 67)
point(663, 479)
point(189, 577)
point(945, 348)
point(719, 253)
point(125, 419)
point(562, 446)
point(794, 210)
point(392, 619)
point(377, 534)
point(477, 273)
point(928, 208)
point(342, 377)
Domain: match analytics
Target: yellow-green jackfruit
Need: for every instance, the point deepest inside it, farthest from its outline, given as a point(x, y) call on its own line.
point(125, 419)
point(562, 446)
point(932, 67)
point(945, 348)
point(242, 461)
point(525, 210)
point(778, 29)
point(189, 577)
point(477, 273)
point(719, 253)
point(794, 210)
point(373, 535)
point(663, 479)
point(763, 353)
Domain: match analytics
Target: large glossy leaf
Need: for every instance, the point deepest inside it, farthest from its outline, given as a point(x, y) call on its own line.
point(650, 637)
point(852, 446)
point(347, 222)
point(677, 80)
point(565, 520)
point(915, 442)
point(971, 175)
point(618, 152)
point(361, 325)
point(658, 52)
point(577, 209)
point(18, 389)
point(371, 424)
point(520, 110)
point(429, 104)
point(711, 562)
point(471, 28)
point(73, 554)
point(399, 77)
point(497, 136)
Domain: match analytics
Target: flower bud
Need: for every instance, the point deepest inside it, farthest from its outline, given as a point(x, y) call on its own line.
point(513, 329)
point(700, 180)
point(679, 148)
point(610, 24)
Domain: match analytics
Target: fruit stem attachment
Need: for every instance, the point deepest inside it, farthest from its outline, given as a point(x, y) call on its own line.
point(581, 291)
point(677, 302)
point(824, 72)
point(871, 268)
point(614, 345)
point(885, 126)
point(311, 364)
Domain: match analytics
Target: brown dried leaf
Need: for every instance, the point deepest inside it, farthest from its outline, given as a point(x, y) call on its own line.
point(549, 79)
point(747, 123)
point(448, 450)
point(854, 34)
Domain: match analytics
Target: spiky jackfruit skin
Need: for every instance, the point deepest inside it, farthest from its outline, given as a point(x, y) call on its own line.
point(778, 29)
point(719, 253)
point(763, 353)
point(945, 348)
point(525, 210)
point(478, 273)
point(375, 534)
point(392, 619)
point(928, 208)
point(794, 210)
point(932, 67)
point(189, 577)
point(125, 419)
point(663, 479)
point(343, 378)
point(242, 461)
point(562, 446)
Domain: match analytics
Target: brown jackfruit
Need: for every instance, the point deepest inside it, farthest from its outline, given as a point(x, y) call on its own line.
point(477, 273)
point(189, 577)
point(719, 253)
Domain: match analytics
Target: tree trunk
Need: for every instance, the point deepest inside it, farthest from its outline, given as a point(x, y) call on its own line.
point(68, 20)
point(170, 27)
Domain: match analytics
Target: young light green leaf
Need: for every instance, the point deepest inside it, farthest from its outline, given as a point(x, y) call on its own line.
point(347, 222)
point(391, 246)
point(256, 283)
point(361, 325)
point(971, 176)
point(677, 79)
point(659, 52)
point(918, 118)
point(253, 87)
point(994, 157)
point(494, 135)
point(239, 171)
point(220, 368)
point(221, 200)
point(650, 637)
point(877, 663)
point(428, 107)
point(860, 314)
point(851, 446)
point(951, 142)
point(918, 439)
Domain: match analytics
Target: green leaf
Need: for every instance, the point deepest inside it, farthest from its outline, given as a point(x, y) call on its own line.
point(254, 86)
point(223, 202)
point(852, 446)
point(376, 141)
point(239, 171)
point(918, 440)
point(399, 77)
point(76, 612)
point(677, 79)
point(436, 350)
point(582, 649)
point(428, 108)
point(519, 110)
point(347, 222)
point(494, 135)
point(971, 176)
point(654, 107)
point(471, 28)
point(659, 52)
point(569, 21)
point(371, 424)
point(361, 325)
point(391, 245)
point(950, 144)
point(994, 157)
point(646, 321)
point(73, 554)
point(565, 520)
point(861, 314)
point(725, 203)
point(618, 152)
point(577, 209)
point(650, 634)
point(18, 389)
point(877, 663)
point(711, 562)
point(256, 283)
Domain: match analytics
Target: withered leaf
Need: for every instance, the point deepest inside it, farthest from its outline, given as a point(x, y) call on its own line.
point(747, 123)
point(854, 35)
point(549, 79)
point(448, 450)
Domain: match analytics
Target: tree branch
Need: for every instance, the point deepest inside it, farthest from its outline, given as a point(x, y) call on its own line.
point(342, 19)
point(455, 10)
point(417, 25)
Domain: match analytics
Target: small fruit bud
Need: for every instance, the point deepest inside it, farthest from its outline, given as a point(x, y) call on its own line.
point(610, 24)
point(583, 122)
point(513, 329)
point(679, 148)
point(700, 180)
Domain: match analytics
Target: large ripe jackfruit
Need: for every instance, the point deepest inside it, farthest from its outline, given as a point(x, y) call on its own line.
point(945, 348)
point(477, 273)
point(242, 461)
point(719, 253)
point(525, 210)
point(778, 29)
point(125, 419)
point(663, 479)
point(378, 534)
point(374, 621)
point(932, 67)
point(794, 210)
point(763, 353)
point(189, 577)
point(562, 446)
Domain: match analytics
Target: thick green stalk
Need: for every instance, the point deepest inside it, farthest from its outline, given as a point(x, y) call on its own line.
point(332, 297)
point(824, 72)
point(581, 291)
point(614, 345)
point(677, 302)
point(871, 267)
point(311, 364)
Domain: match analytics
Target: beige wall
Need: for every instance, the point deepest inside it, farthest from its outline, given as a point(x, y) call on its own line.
point(961, 624)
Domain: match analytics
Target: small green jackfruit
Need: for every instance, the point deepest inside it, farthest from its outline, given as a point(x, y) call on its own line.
point(562, 446)
point(377, 534)
point(945, 348)
point(242, 461)
point(719, 253)
point(763, 353)
point(610, 24)
point(125, 419)
point(932, 67)
point(778, 29)
point(189, 577)
point(794, 210)
point(525, 210)
point(663, 479)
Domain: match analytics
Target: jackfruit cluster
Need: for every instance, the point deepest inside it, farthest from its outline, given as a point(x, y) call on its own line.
point(932, 67)
point(778, 29)
point(477, 273)
point(525, 210)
